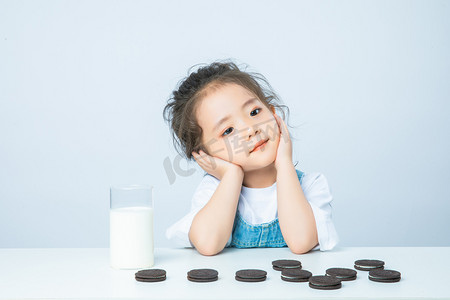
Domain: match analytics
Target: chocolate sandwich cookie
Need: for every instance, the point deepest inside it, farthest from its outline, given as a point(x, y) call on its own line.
point(150, 275)
point(380, 275)
point(251, 275)
point(343, 274)
point(324, 282)
point(295, 275)
point(202, 275)
point(369, 264)
point(282, 264)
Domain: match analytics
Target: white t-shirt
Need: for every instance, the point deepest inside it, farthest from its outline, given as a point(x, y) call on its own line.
point(259, 205)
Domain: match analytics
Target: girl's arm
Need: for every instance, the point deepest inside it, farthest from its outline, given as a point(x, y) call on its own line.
point(212, 225)
point(295, 215)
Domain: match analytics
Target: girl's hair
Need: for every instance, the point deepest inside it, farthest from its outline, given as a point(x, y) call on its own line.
point(180, 111)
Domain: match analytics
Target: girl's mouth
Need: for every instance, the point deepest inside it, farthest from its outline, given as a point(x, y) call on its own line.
point(259, 145)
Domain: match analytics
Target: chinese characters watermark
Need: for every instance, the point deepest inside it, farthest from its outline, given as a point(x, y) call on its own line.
point(238, 142)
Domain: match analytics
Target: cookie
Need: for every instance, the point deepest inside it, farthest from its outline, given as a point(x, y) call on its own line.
point(343, 274)
point(203, 275)
point(150, 275)
point(251, 275)
point(380, 275)
point(324, 282)
point(295, 275)
point(282, 264)
point(369, 264)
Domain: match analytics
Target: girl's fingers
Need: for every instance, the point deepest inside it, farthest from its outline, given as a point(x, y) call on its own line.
point(280, 123)
point(201, 158)
point(284, 133)
point(199, 155)
point(283, 127)
point(198, 158)
point(203, 155)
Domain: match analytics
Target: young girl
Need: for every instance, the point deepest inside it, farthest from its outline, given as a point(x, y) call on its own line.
point(251, 194)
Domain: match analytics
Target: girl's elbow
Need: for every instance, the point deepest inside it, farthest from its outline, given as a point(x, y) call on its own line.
point(208, 249)
point(300, 249)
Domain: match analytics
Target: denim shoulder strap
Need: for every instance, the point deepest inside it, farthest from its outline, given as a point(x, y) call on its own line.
point(300, 175)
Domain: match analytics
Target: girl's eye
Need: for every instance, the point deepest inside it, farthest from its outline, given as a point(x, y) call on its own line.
point(228, 130)
point(258, 109)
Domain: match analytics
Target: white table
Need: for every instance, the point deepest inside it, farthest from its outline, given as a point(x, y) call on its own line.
point(85, 273)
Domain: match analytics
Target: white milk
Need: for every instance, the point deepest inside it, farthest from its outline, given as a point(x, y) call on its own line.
point(131, 237)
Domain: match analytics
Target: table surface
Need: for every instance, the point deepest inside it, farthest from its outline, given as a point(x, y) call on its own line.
point(85, 273)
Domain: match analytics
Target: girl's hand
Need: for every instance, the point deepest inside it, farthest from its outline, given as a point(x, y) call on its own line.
point(214, 165)
point(284, 152)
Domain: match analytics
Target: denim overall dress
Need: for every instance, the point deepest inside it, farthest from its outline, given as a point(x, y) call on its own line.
point(246, 235)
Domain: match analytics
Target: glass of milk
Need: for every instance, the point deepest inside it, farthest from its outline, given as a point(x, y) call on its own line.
point(131, 226)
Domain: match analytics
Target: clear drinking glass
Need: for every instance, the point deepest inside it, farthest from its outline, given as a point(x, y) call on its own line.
point(131, 226)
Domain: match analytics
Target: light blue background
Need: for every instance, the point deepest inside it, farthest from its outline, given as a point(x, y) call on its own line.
point(83, 85)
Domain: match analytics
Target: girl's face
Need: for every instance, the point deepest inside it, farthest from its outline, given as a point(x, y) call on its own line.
point(233, 121)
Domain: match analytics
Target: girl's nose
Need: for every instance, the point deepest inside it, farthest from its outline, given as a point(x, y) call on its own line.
point(252, 130)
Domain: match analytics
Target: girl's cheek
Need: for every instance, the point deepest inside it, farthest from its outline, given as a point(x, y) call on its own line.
point(230, 153)
point(272, 131)
point(221, 151)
